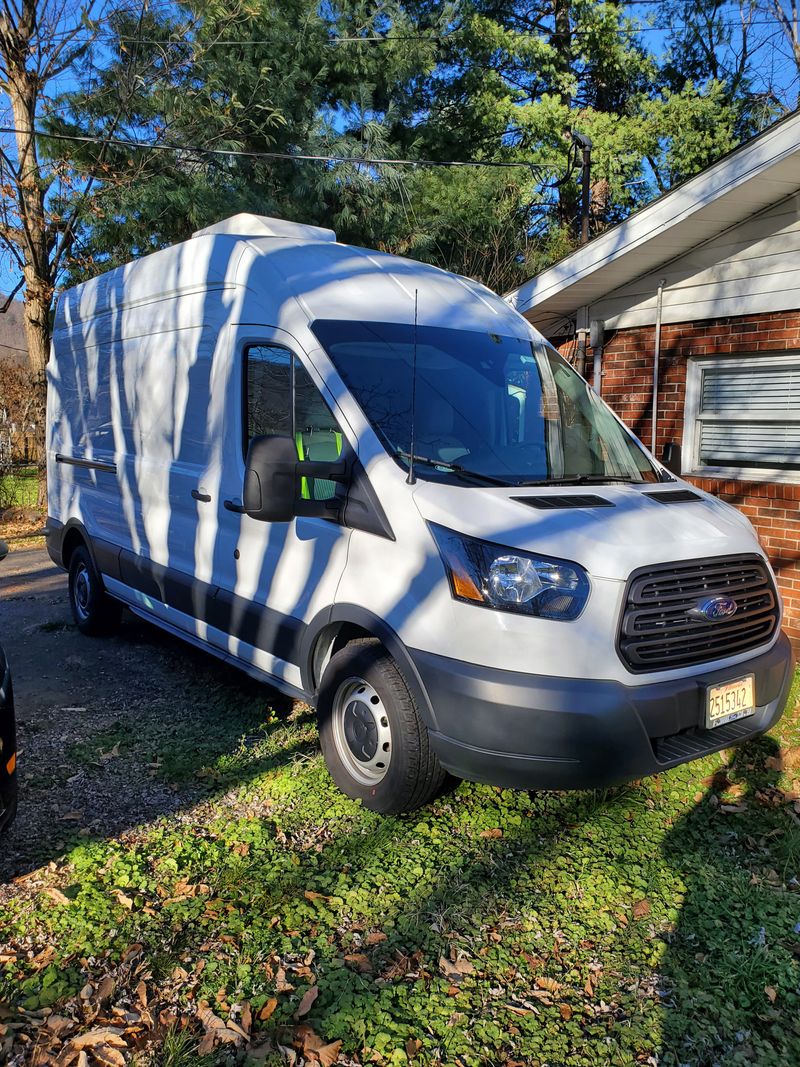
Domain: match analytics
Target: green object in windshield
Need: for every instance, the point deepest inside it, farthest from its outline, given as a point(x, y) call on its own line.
point(504, 409)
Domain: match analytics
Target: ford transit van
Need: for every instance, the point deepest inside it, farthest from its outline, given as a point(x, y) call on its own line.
point(375, 486)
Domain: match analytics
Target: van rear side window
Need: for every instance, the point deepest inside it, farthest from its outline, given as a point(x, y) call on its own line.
point(281, 398)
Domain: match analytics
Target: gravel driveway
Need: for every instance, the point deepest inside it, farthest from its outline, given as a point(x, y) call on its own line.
point(96, 714)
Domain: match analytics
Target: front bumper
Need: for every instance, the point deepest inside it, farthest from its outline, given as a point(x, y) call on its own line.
point(8, 748)
point(537, 732)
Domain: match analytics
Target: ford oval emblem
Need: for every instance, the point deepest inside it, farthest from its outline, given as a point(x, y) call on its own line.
point(714, 609)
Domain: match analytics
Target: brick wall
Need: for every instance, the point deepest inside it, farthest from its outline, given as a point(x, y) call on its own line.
point(773, 509)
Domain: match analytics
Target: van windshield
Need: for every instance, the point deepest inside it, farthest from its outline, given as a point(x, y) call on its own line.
point(488, 408)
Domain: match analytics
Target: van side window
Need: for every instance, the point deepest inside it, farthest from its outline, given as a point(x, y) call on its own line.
point(268, 376)
point(272, 376)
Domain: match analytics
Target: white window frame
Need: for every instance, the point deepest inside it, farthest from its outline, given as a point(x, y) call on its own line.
point(692, 420)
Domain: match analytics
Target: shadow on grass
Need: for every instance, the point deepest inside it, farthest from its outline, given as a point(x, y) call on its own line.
point(184, 727)
point(731, 975)
point(589, 936)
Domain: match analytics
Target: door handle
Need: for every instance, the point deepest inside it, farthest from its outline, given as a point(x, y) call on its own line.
point(231, 505)
point(204, 497)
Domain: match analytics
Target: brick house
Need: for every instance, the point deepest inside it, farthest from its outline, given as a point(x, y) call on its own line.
point(698, 294)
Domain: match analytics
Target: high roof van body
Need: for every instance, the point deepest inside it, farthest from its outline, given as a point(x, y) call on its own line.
point(375, 486)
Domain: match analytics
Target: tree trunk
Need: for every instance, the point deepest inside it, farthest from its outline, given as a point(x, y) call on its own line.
point(562, 45)
point(36, 237)
point(37, 333)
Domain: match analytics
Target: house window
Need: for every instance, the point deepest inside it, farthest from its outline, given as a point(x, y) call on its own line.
point(743, 417)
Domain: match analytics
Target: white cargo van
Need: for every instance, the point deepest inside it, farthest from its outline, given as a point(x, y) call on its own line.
point(373, 485)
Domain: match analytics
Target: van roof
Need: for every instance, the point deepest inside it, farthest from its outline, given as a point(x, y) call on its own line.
point(251, 226)
point(291, 263)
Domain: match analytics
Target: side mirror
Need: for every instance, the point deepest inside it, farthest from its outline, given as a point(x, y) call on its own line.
point(270, 479)
point(672, 458)
point(3, 550)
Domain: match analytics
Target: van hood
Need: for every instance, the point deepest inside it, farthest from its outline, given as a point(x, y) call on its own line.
point(609, 542)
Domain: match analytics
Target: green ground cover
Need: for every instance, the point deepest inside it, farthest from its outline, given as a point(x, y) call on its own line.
point(273, 920)
point(19, 489)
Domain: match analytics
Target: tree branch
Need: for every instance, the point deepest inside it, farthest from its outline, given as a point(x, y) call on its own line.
point(11, 296)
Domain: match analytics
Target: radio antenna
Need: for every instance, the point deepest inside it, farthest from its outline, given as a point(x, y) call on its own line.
point(411, 480)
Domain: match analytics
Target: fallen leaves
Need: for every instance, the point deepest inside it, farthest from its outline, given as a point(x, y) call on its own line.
point(455, 971)
point(360, 961)
point(413, 1045)
point(307, 1002)
point(122, 899)
point(184, 890)
point(314, 1049)
point(268, 1009)
point(218, 1032)
point(790, 758)
point(374, 938)
point(641, 909)
point(56, 895)
point(105, 1043)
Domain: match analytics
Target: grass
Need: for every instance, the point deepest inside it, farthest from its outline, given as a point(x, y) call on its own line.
point(19, 489)
point(660, 919)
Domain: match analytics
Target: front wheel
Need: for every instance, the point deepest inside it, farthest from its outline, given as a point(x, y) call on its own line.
point(375, 745)
point(94, 611)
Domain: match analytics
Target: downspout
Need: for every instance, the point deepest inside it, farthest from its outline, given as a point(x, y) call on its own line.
point(596, 340)
point(656, 358)
point(582, 336)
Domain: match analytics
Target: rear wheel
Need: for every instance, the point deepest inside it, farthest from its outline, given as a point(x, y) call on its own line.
point(375, 745)
point(94, 611)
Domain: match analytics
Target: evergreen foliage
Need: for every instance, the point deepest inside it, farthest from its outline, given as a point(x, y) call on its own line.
point(493, 80)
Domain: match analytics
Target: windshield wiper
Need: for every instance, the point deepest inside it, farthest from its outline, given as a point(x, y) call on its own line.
point(588, 479)
point(454, 468)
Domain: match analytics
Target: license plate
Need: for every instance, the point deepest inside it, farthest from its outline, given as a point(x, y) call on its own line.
point(726, 703)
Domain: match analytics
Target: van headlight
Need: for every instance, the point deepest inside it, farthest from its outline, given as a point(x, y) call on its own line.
point(497, 576)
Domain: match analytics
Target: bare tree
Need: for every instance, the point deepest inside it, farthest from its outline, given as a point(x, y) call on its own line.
point(782, 19)
point(786, 12)
point(21, 419)
point(40, 41)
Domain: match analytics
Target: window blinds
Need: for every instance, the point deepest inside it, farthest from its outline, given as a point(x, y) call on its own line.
point(750, 415)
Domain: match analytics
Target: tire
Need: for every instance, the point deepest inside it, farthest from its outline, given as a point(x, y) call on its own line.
point(375, 745)
point(94, 611)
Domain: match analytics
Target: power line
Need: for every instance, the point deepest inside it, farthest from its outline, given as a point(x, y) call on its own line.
point(437, 38)
point(296, 157)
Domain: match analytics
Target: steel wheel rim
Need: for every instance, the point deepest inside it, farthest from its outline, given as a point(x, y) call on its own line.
point(82, 591)
point(361, 732)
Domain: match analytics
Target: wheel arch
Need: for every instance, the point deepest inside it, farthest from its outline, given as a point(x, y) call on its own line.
point(103, 555)
point(74, 536)
point(336, 627)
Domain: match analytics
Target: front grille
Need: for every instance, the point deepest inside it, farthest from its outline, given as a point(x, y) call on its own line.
point(657, 633)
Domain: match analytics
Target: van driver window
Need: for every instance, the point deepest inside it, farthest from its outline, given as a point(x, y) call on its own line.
point(269, 410)
point(269, 390)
